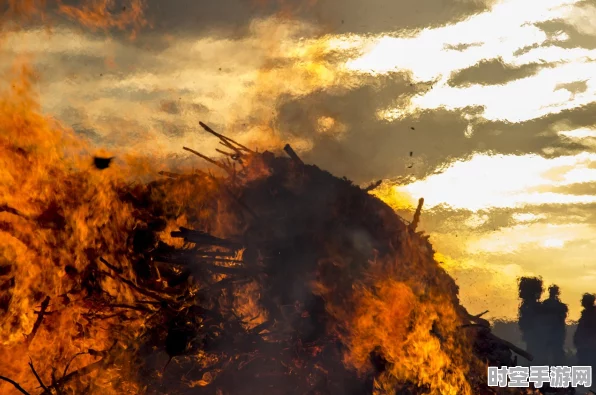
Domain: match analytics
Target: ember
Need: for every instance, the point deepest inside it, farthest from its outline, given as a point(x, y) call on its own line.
point(275, 276)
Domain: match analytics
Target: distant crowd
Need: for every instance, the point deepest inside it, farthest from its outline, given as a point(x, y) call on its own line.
point(542, 324)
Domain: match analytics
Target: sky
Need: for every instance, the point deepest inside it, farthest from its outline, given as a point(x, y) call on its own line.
point(486, 109)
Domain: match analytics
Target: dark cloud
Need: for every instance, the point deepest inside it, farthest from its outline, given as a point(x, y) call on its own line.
point(561, 33)
point(179, 107)
point(379, 16)
point(530, 137)
point(573, 87)
point(151, 96)
point(581, 188)
point(371, 148)
point(461, 47)
point(574, 39)
point(232, 18)
point(537, 135)
point(171, 107)
point(119, 131)
point(446, 220)
point(494, 72)
point(88, 133)
point(172, 129)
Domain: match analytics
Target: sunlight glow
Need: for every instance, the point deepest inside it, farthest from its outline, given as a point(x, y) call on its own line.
point(504, 181)
point(500, 33)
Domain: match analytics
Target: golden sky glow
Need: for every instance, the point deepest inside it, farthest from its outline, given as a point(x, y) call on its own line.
point(486, 183)
point(484, 108)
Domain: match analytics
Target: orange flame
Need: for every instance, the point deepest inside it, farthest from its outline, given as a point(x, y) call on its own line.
point(93, 14)
point(57, 213)
point(55, 210)
point(96, 15)
point(406, 311)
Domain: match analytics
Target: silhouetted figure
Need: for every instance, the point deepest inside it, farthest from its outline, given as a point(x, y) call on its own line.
point(555, 314)
point(530, 317)
point(585, 335)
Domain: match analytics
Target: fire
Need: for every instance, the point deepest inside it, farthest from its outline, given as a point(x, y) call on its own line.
point(20, 8)
point(265, 269)
point(405, 312)
point(93, 14)
point(384, 320)
point(247, 306)
point(77, 246)
point(99, 14)
point(58, 213)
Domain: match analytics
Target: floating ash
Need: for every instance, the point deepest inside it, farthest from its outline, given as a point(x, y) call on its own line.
point(102, 163)
point(274, 276)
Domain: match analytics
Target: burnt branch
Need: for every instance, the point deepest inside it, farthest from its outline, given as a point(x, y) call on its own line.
point(292, 154)
point(108, 264)
point(416, 220)
point(214, 162)
point(203, 238)
point(373, 186)
point(38, 321)
point(224, 138)
point(37, 375)
point(15, 384)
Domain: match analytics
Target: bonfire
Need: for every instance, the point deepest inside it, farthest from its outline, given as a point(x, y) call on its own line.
point(262, 275)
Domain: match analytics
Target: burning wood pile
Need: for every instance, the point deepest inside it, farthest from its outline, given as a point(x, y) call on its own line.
point(275, 277)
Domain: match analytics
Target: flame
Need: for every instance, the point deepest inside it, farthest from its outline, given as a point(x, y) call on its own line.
point(55, 211)
point(97, 15)
point(93, 14)
point(247, 305)
point(21, 9)
point(405, 311)
point(61, 213)
point(65, 226)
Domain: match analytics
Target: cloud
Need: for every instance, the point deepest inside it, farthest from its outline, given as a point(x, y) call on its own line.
point(485, 182)
point(566, 35)
point(158, 96)
point(372, 147)
point(461, 46)
point(581, 188)
point(575, 87)
point(493, 72)
point(232, 18)
point(583, 18)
